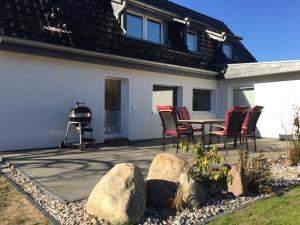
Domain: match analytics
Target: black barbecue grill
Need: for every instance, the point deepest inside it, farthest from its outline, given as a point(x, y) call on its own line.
point(80, 117)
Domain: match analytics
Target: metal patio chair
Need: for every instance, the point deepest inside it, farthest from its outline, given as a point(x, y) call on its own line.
point(183, 114)
point(232, 126)
point(171, 127)
point(249, 125)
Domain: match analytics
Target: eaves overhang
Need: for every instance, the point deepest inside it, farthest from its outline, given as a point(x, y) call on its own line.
point(57, 51)
point(260, 69)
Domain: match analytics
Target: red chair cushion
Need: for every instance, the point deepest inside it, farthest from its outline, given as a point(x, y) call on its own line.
point(223, 133)
point(180, 131)
point(219, 132)
point(164, 108)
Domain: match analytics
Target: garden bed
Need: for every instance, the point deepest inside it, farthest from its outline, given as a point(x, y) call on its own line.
point(283, 178)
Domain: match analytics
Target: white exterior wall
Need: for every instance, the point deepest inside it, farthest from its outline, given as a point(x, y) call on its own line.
point(279, 99)
point(277, 93)
point(37, 92)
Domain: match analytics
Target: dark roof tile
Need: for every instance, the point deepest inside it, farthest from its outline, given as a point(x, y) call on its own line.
point(91, 25)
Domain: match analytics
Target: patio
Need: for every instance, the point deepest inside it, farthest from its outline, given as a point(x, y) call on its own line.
point(70, 175)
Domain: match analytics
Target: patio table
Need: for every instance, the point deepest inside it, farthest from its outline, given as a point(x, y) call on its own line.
point(203, 123)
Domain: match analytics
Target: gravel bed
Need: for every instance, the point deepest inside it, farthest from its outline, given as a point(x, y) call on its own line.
point(74, 213)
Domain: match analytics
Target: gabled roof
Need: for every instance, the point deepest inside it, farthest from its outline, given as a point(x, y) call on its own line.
point(91, 25)
point(245, 70)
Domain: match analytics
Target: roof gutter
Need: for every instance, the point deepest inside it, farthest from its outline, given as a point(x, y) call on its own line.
point(70, 50)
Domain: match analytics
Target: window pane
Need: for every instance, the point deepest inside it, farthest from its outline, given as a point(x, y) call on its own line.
point(163, 95)
point(153, 31)
point(243, 97)
point(227, 50)
point(201, 100)
point(191, 42)
point(134, 26)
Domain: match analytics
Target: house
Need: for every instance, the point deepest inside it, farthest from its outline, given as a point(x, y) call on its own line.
point(120, 57)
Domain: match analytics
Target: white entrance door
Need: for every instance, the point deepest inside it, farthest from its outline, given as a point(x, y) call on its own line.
point(116, 108)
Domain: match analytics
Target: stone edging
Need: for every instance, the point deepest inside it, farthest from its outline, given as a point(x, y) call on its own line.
point(230, 211)
point(243, 206)
point(36, 183)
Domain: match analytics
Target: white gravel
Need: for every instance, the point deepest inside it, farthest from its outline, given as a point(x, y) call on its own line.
point(74, 213)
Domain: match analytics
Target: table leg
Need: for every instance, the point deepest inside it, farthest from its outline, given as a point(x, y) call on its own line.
point(218, 135)
point(210, 130)
point(203, 136)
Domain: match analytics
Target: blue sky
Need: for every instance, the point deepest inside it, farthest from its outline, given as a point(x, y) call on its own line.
point(270, 28)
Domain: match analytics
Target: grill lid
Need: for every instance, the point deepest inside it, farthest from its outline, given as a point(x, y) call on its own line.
point(80, 113)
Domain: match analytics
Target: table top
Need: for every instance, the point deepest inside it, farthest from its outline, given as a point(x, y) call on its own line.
point(203, 121)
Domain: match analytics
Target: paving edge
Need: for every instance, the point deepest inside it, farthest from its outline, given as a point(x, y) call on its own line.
point(39, 184)
point(228, 212)
point(47, 215)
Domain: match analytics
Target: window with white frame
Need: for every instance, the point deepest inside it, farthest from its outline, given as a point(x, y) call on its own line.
point(227, 50)
point(142, 27)
point(153, 31)
point(192, 41)
point(164, 95)
point(135, 26)
point(202, 100)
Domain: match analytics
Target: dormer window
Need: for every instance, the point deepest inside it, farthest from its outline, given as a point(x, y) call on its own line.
point(142, 27)
point(192, 41)
point(153, 31)
point(135, 26)
point(227, 50)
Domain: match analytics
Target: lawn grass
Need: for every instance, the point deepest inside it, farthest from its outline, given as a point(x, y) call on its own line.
point(283, 210)
point(15, 209)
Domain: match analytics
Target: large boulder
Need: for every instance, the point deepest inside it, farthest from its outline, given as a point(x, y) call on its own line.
point(239, 185)
point(163, 178)
point(120, 196)
point(192, 194)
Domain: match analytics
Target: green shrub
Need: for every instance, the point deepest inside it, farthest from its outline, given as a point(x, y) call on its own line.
point(202, 162)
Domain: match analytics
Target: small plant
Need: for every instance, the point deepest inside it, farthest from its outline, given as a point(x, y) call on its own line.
point(202, 165)
point(296, 140)
point(293, 144)
point(257, 171)
point(183, 145)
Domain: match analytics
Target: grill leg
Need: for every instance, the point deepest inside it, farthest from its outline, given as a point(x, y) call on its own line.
point(80, 137)
point(66, 134)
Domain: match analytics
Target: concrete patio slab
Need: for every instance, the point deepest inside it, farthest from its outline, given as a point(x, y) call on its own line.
point(70, 174)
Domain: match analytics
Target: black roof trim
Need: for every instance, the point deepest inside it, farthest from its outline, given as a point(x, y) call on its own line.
point(68, 53)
